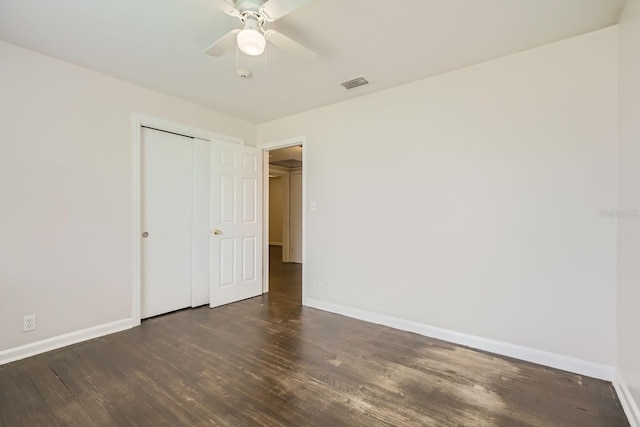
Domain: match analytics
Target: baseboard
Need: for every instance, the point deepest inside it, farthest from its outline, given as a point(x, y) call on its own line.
point(553, 360)
point(53, 343)
point(629, 405)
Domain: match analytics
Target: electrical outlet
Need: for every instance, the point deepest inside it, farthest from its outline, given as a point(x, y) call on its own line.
point(29, 323)
point(320, 286)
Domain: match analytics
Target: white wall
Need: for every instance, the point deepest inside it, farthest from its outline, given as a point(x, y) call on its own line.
point(66, 191)
point(471, 201)
point(629, 198)
point(276, 206)
point(295, 216)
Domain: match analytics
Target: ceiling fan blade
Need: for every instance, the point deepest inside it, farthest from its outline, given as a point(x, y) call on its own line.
point(276, 9)
point(226, 6)
point(290, 46)
point(225, 44)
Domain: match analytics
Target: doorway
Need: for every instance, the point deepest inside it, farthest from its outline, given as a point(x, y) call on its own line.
point(285, 201)
point(284, 253)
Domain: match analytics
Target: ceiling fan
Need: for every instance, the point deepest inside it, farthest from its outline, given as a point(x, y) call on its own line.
point(252, 38)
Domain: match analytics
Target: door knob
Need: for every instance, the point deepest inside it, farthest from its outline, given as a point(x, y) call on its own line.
point(216, 231)
point(145, 235)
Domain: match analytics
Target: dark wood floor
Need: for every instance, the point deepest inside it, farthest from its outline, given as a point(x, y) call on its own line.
point(268, 361)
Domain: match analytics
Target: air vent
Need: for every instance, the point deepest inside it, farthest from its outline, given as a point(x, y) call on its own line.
point(358, 81)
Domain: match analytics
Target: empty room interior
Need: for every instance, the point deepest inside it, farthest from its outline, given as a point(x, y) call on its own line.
point(320, 212)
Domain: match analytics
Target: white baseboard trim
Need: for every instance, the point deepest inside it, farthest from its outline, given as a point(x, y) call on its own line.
point(53, 343)
point(553, 360)
point(629, 405)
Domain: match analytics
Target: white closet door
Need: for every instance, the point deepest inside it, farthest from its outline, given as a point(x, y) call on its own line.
point(167, 217)
point(200, 283)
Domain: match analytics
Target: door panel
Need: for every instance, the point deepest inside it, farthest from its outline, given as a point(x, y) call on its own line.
point(228, 199)
point(249, 200)
point(167, 215)
point(227, 262)
point(249, 258)
point(237, 216)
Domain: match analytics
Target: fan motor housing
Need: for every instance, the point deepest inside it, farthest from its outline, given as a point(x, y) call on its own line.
point(248, 5)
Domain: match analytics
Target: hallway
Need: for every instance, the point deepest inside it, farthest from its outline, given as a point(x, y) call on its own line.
point(285, 279)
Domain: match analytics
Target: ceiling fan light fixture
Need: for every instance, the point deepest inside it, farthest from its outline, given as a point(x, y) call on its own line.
point(250, 40)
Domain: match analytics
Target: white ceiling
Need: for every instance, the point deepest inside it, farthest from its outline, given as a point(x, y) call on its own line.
point(159, 44)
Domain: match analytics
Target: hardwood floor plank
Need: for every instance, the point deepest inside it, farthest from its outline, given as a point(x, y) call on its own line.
point(58, 397)
point(20, 401)
point(268, 361)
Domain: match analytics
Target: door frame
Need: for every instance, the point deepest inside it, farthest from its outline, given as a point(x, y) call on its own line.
point(266, 147)
point(138, 122)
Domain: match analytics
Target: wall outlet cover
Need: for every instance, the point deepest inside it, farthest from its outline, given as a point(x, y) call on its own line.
point(29, 323)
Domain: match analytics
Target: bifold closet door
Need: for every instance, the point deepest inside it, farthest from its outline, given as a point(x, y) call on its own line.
point(167, 222)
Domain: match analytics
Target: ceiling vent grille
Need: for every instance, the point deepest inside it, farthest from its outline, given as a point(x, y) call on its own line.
point(358, 81)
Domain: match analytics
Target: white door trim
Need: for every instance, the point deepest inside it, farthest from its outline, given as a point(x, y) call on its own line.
point(265, 221)
point(138, 121)
point(289, 142)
